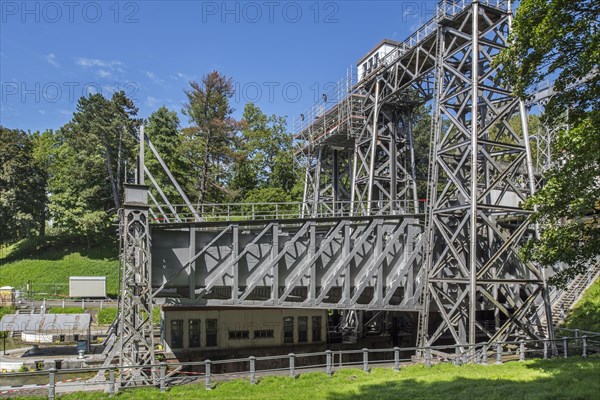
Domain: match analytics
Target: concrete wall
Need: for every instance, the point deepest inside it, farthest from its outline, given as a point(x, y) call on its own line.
point(250, 320)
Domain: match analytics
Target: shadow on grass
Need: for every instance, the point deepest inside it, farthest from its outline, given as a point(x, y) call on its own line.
point(59, 246)
point(576, 378)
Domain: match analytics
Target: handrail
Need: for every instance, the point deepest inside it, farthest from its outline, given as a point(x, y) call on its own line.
point(220, 212)
point(469, 349)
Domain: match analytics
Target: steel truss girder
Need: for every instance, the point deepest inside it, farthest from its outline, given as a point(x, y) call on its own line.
point(479, 180)
point(352, 263)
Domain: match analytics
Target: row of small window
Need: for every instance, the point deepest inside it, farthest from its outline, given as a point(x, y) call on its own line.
point(212, 330)
point(194, 333)
point(259, 334)
point(288, 329)
point(370, 64)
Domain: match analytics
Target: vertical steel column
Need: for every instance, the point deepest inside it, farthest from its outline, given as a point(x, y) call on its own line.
point(141, 162)
point(305, 211)
point(531, 180)
point(334, 182)
point(317, 183)
point(373, 149)
point(192, 268)
point(235, 251)
point(275, 268)
point(353, 191)
point(413, 168)
point(474, 164)
point(423, 322)
point(377, 249)
point(347, 283)
point(313, 268)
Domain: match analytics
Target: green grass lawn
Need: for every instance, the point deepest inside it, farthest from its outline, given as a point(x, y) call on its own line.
point(48, 262)
point(574, 378)
point(66, 310)
point(108, 314)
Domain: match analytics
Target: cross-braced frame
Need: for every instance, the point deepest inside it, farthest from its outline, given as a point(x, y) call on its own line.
point(477, 287)
point(135, 341)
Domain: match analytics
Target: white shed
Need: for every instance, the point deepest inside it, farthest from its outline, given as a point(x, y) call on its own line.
point(87, 286)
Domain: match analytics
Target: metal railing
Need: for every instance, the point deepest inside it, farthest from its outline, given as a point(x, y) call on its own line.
point(231, 212)
point(580, 343)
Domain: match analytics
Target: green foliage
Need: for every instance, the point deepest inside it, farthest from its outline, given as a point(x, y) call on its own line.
point(585, 315)
point(163, 131)
point(561, 39)
point(107, 315)
point(264, 157)
point(208, 143)
point(267, 195)
point(88, 164)
point(568, 203)
point(53, 246)
point(556, 38)
point(22, 186)
point(573, 378)
point(6, 310)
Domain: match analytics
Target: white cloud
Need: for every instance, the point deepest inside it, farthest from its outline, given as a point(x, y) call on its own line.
point(109, 89)
point(95, 62)
point(51, 59)
point(107, 69)
point(151, 101)
point(151, 75)
point(185, 77)
point(102, 73)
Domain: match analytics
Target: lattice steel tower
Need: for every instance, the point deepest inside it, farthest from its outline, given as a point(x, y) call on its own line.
point(132, 340)
point(481, 173)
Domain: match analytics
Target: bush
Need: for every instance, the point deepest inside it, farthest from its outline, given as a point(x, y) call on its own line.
point(107, 315)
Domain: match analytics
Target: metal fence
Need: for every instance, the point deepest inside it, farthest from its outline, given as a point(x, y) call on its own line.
point(209, 372)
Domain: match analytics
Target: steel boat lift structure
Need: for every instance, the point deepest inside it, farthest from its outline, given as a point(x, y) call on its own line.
point(361, 240)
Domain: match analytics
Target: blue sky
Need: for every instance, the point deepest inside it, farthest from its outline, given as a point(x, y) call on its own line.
point(281, 55)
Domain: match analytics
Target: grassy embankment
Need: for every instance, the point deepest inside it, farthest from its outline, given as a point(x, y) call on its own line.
point(48, 262)
point(585, 314)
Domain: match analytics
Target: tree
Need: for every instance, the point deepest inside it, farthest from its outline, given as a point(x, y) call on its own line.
point(22, 186)
point(91, 153)
point(557, 39)
point(264, 154)
point(42, 153)
point(163, 131)
point(560, 39)
point(421, 130)
point(209, 141)
point(106, 127)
